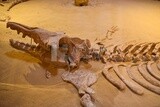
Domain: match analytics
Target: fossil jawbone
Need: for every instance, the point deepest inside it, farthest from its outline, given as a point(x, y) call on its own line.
point(50, 44)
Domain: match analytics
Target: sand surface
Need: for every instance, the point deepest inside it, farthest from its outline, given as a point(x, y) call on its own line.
point(22, 79)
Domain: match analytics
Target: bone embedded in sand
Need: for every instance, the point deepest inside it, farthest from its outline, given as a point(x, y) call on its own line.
point(158, 65)
point(143, 84)
point(132, 86)
point(149, 69)
point(146, 77)
point(86, 101)
point(81, 79)
point(116, 83)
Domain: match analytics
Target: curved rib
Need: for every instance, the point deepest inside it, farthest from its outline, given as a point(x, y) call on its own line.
point(149, 69)
point(147, 78)
point(131, 86)
point(151, 88)
point(158, 65)
point(116, 83)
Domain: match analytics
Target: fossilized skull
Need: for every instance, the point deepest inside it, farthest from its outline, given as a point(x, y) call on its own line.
point(51, 46)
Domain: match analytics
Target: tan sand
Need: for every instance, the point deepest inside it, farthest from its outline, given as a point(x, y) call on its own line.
point(22, 79)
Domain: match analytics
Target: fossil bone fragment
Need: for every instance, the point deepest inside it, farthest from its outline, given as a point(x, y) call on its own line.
point(145, 85)
point(146, 77)
point(131, 85)
point(82, 80)
point(158, 65)
point(86, 101)
point(149, 69)
point(116, 83)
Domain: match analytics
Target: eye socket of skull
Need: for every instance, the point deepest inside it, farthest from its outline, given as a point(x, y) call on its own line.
point(83, 50)
point(63, 47)
point(65, 44)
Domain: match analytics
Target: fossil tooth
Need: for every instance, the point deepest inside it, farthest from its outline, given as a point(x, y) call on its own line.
point(11, 41)
point(18, 32)
point(24, 36)
point(18, 43)
point(23, 47)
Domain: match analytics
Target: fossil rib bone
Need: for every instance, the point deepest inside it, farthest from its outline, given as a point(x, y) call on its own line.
point(133, 87)
point(116, 83)
point(149, 69)
point(143, 73)
point(149, 87)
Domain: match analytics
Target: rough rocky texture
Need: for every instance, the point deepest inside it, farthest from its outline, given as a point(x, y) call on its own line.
point(86, 101)
point(82, 80)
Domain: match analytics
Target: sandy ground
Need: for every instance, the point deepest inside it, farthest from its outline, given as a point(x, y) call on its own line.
point(22, 79)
